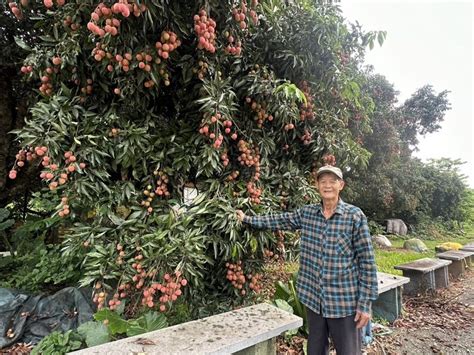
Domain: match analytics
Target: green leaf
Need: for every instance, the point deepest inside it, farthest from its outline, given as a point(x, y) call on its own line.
point(4, 213)
point(7, 224)
point(381, 37)
point(115, 220)
point(149, 322)
point(253, 244)
point(22, 44)
point(95, 333)
point(282, 304)
point(282, 291)
point(116, 324)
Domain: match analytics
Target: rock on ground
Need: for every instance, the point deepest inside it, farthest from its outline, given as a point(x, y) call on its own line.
point(415, 244)
point(382, 241)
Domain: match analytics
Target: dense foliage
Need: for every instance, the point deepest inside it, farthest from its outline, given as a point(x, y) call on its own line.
point(140, 103)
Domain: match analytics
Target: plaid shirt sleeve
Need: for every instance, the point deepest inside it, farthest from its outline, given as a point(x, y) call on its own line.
point(368, 290)
point(284, 221)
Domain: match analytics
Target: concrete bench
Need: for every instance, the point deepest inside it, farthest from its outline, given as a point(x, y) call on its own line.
point(425, 274)
point(246, 331)
point(460, 260)
point(389, 303)
point(468, 247)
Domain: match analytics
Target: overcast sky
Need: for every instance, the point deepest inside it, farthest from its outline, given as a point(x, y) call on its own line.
point(428, 42)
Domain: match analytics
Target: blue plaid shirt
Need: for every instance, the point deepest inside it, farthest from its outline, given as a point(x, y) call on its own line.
point(337, 273)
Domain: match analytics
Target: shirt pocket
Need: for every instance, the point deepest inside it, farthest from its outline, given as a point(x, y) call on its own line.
point(340, 266)
point(344, 245)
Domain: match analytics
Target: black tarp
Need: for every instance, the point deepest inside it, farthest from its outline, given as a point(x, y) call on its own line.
point(29, 318)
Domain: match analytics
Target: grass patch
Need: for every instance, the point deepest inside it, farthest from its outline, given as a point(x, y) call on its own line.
point(386, 259)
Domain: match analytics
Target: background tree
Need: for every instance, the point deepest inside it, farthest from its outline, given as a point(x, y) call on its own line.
point(405, 187)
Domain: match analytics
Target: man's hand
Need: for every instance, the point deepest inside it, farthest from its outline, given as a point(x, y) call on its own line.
point(361, 318)
point(240, 215)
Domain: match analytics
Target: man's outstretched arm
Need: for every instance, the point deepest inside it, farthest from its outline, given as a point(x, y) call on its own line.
point(281, 221)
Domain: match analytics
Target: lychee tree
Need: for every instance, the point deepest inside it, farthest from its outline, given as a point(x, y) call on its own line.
point(140, 101)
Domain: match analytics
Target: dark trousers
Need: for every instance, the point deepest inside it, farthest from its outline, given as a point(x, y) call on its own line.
point(346, 337)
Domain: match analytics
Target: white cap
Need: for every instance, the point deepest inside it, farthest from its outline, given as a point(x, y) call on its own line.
point(329, 169)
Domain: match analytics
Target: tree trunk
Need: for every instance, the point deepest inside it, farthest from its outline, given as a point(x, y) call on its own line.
point(7, 120)
point(12, 113)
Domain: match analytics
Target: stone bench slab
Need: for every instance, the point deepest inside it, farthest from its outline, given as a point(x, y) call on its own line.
point(425, 274)
point(387, 282)
point(424, 265)
point(468, 247)
point(455, 255)
point(388, 305)
point(460, 260)
point(224, 333)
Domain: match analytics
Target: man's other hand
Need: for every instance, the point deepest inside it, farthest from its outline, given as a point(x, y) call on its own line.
point(361, 318)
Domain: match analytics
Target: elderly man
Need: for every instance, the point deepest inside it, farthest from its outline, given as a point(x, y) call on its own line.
point(337, 278)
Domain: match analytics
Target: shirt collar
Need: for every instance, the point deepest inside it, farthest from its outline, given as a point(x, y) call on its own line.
point(339, 208)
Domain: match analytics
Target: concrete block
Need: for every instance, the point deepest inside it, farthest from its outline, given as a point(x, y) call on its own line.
point(251, 329)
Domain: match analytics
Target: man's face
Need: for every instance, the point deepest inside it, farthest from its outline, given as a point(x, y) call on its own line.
point(329, 186)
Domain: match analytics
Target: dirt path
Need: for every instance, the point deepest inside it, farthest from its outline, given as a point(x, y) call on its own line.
point(436, 323)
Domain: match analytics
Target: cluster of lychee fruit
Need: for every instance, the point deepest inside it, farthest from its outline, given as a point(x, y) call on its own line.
point(143, 60)
point(233, 175)
point(235, 274)
point(261, 111)
point(210, 127)
point(205, 28)
point(234, 46)
point(53, 174)
point(69, 23)
point(225, 158)
point(99, 295)
point(254, 192)
point(46, 87)
point(16, 10)
point(249, 156)
point(27, 155)
point(64, 207)
point(329, 159)
point(201, 70)
point(280, 241)
point(114, 132)
point(344, 58)
point(170, 290)
point(307, 137)
point(60, 178)
point(161, 190)
point(169, 42)
point(306, 109)
point(26, 69)
point(112, 24)
point(88, 88)
point(49, 3)
point(269, 255)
